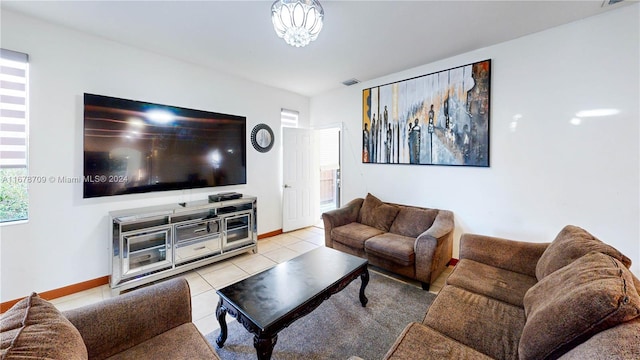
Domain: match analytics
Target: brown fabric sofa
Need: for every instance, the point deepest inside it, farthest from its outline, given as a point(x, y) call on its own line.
point(411, 241)
point(571, 299)
point(149, 323)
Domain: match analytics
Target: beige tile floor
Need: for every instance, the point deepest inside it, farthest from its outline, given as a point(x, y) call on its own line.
point(204, 281)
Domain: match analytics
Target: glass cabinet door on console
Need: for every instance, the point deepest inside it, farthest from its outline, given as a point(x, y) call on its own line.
point(146, 251)
point(237, 230)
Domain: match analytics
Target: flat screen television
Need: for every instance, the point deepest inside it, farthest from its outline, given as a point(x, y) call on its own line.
point(136, 147)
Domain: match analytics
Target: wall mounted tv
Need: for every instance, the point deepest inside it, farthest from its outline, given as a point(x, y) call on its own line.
point(135, 147)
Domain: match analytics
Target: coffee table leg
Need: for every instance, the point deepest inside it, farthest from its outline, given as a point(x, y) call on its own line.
point(264, 346)
point(221, 313)
point(364, 277)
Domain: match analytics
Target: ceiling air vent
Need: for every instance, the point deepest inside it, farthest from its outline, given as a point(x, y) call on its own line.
point(610, 2)
point(353, 81)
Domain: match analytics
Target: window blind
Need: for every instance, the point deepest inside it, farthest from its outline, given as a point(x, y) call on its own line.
point(289, 118)
point(13, 109)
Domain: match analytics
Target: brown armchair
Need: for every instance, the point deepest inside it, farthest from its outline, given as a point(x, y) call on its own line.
point(148, 323)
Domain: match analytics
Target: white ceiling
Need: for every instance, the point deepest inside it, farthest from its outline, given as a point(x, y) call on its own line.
point(360, 39)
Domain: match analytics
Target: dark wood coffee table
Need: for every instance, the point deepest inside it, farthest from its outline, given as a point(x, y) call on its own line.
point(270, 301)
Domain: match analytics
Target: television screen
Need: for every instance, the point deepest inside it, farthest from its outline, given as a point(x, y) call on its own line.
point(134, 147)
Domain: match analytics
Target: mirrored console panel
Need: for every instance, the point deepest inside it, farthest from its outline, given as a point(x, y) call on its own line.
point(151, 243)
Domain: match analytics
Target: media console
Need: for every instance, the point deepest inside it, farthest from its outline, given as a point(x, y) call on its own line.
point(151, 243)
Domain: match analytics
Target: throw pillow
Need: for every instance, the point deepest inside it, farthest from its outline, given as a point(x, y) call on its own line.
point(572, 243)
point(377, 214)
point(370, 202)
point(34, 329)
point(413, 221)
point(592, 294)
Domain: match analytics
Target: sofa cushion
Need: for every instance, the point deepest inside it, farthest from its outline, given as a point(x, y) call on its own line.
point(412, 221)
point(397, 248)
point(572, 243)
point(354, 234)
point(421, 342)
point(184, 342)
point(500, 284)
point(377, 214)
point(487, 325)
point(567, 307)
point(34, 329)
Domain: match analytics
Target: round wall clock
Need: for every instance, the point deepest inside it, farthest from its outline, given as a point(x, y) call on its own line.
point(262, 137)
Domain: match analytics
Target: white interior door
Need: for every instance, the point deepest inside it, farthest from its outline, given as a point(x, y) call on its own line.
point(300, 204)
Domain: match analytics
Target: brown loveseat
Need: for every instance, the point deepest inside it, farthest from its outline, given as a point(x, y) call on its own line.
point(149, 323)
point(574, 298)
point(408, 240)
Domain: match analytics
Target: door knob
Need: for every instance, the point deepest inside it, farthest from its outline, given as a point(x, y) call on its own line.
point(287, 186)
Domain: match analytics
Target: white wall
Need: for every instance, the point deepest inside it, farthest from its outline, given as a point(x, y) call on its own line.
point(547, 173)
point(65, 241)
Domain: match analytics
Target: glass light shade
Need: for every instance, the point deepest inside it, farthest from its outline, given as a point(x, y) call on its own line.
point(298, 22)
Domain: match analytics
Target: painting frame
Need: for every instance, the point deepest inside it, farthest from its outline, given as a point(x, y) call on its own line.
point(441, 118)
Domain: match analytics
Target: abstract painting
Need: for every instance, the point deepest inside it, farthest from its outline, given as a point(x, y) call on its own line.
point(435, 119)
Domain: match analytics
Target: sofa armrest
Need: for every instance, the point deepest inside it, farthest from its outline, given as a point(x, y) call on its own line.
point(119, 323)
point(434, 247)
point(346, 214)
point(442, 225)
point(519, 256)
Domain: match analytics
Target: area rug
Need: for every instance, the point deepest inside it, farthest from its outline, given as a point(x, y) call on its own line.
point(340, 327)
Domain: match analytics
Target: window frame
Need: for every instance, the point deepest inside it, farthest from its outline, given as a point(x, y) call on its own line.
point(14, 135)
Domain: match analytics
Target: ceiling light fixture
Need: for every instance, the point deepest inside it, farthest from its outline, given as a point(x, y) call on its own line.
point(298, 22)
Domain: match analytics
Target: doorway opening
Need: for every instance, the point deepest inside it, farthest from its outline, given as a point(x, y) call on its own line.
point(329, 160)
